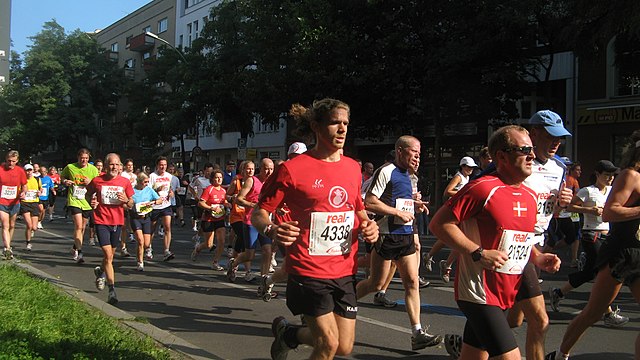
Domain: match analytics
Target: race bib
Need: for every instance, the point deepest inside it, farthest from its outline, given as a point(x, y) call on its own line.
point(217, 211)
point(575, 217)
point(144, 208)
point(404, 205)
point(181, 191)
point(330, 233)
point(31, 195)
point(109, 195)
point(517, 245)
point(9, 192)
point(79, 192)
point(45, 192)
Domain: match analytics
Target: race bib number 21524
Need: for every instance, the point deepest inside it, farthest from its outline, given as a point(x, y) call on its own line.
point(330, 233)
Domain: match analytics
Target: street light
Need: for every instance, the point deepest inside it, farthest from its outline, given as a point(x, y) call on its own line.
point(156, 37)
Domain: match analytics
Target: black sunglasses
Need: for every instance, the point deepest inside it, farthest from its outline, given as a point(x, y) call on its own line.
point(524, 150)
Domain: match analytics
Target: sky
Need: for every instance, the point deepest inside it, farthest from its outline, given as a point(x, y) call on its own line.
point(28, 16)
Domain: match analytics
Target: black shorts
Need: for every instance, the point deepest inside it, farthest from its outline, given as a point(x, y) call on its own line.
point(624, 262)
point(316, 297)
point(211, 226)
point(529, 285)
point(108, 235)
point(141, 223)
point(393, 247)
point(52, 200)
point(29, 207)
point(238, 229)
point(76, 210)
point(565, 229)
point(487, 328)
point(158, 213)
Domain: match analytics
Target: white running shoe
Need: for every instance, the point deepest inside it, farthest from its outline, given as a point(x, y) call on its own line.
point(161, 231)
point(614, 319)
point(422, 339)
point(74, 252)
point(100, 279)
point(216, 266)
point(29, 246)
point(274, 263)
point(168, 255)
point(80, 258)
point(140, 266)
point(427, 261)
point(92, 242)
point(194, 253)
point(40, 225)
point(445, 271)
point(249, 276)
point(124, 252)
point(8, 254)
point(148, 253)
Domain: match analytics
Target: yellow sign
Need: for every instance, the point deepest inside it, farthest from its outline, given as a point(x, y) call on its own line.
point(252, 154)
point(605, 116)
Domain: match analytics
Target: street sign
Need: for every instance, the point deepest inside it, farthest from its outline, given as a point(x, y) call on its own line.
point(242, 143)
point(197, 151)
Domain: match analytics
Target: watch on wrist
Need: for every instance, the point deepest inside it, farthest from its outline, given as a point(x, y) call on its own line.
point(477, 254)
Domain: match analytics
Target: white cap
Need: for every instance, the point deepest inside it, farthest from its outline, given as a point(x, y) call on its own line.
point(28, 167)
point(467, 160)
point(297, 148)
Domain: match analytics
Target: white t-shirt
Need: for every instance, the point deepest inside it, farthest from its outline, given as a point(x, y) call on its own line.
point(161, 184)
point(592, 196)
point(131, 176)
point(545, 180)
point(199, 184)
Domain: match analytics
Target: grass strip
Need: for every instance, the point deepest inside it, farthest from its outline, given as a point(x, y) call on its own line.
point(39, 322)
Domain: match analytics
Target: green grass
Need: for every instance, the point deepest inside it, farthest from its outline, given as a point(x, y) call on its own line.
point(39, 322)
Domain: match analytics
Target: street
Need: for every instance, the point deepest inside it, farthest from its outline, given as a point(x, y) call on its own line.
point(227, 320)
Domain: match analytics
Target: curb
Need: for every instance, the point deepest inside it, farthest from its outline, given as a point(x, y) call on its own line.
point(182, 348)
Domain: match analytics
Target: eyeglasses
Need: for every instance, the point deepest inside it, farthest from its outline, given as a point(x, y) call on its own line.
point(524, 150)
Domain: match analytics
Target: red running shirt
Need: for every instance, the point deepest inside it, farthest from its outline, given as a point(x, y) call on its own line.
point(11, 182)
point(213, 196)
point(486, 207)
point(109, 210)
point(323, 197)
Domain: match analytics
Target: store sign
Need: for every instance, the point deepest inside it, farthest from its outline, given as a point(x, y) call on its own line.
point(608, 115)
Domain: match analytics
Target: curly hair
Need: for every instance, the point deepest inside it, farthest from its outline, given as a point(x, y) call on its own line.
point(318, 112)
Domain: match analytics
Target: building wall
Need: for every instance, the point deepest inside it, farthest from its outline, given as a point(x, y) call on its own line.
point(5, 40)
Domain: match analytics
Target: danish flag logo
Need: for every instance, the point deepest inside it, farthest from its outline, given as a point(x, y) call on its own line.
point(519, 210)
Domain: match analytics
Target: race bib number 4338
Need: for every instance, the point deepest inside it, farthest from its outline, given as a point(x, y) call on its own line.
point(330, 233)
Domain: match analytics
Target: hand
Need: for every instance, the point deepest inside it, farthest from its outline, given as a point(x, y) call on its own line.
point(493, 259)
point(597, 211)
point(122, 197)
point(285, 233)
point(369, 231)
point(94, 202)
point(405, 216)
point(548, 262)
point(564, 197)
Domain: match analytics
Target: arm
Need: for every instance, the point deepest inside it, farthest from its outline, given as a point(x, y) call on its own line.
point(577, 205)
point(241, 198)
point(375, 205)
point(285, 233)
point(625, 192)
point(368, 228)
point(449, 190)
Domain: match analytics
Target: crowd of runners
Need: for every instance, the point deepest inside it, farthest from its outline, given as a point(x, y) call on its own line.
point(503, 219)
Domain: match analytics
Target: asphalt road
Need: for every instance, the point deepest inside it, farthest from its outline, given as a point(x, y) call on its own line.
point(226, 320)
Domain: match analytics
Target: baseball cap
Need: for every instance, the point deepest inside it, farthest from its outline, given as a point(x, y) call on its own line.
point(606, 166)
point(551, 121)
point(467, 160)
point(566, 160)
point(28, 167)
point(297, 148)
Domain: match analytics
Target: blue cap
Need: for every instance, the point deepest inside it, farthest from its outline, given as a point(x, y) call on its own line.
point(551, 121)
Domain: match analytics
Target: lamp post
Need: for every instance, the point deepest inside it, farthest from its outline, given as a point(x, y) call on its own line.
point(183, 154)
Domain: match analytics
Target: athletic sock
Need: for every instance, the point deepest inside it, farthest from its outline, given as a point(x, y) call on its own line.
point(415, 328)
point(561, 356)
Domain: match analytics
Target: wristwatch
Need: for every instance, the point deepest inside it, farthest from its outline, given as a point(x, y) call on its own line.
point(477, 255)
point(267, 230)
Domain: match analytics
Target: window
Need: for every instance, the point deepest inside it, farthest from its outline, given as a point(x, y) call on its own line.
point(130, 64)
point(128, 40)
point(189, 28)
point(114, 47)
point(195, 25)
point(147, 29)
point(180, 40)
point(146, 55)
point(163, 25)
point(627, 56)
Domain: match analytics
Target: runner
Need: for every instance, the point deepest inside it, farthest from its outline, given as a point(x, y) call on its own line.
point(247, 169)
point(160, 181)
point(53, 174)
point(140, 217)
point(29, 208)
point(127, 232)
point(213, 202)
point(197, 186)
point(112, 192)
point(321, 188)
point(618, 261)
point(13, 181)
point(390, 198)
point(490, 223)
point(48, 190)
point(76, 176)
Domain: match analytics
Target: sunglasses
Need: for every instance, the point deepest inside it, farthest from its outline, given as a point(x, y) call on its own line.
point(524, 150)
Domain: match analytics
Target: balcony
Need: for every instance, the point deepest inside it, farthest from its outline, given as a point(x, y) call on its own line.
point(141, 43)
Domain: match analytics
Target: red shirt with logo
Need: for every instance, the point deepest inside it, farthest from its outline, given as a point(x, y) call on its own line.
point(213, 196)
point(324, 198)
point(109, 210)
point(11, 183)
point(492, 213)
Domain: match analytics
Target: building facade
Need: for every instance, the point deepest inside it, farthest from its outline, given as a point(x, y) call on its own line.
point(5, 40)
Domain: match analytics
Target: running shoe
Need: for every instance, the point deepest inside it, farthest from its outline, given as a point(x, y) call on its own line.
point(274, 263)
point(216, 266)
point(148, 253)
point(427, 261)
point(132, 239)
point(194, 253)
point(423, 283)
point(161, 231)
point(445, 271)
point(92, 242)
point(50, 217)
point(74, 252)
point(422, 339)
point(100, 279)
point(195, 238)
point(182, 224)
point(453, 345)
point(381, 299)
point(8, 254)
point(195, 226)
point(168, 255)
point(112, 299)
point(614, 319)
point(80, 259)
point(265, 287)
point(249, 276)
point(40, 225)
point(279, 348)
point(554, 299)
point(140, 266)
point(124, 252)
point(231, 271)
point(29, 246)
